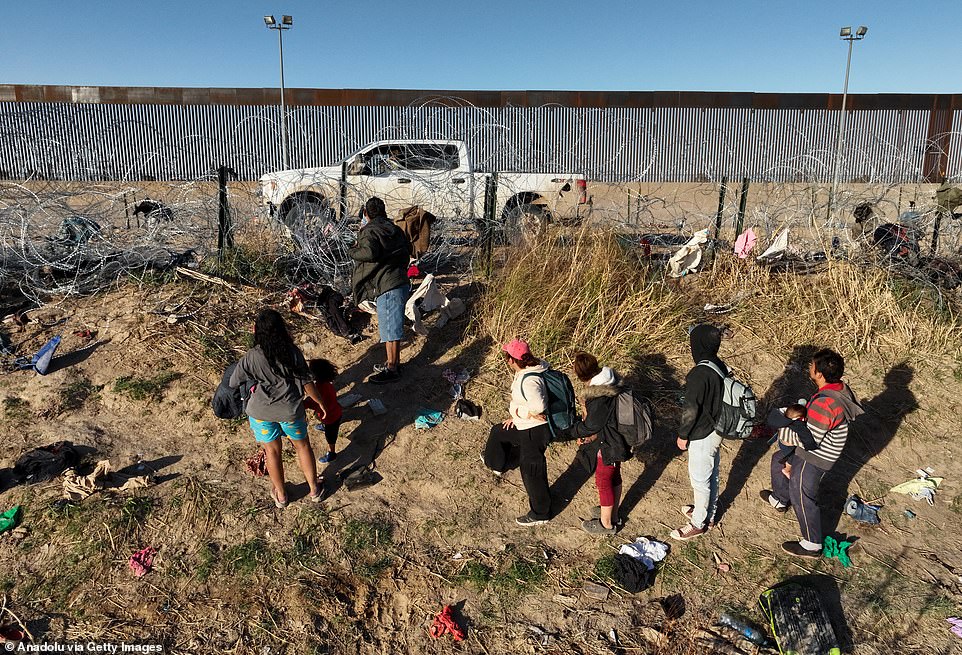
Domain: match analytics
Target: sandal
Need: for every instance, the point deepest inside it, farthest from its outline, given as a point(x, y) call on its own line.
point(319, 496)
point(278, 503)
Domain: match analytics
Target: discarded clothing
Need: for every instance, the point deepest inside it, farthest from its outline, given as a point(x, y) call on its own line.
point(142, 561)
point(76, 231)
point(10, 519)
point(256, 464)
point(688, 258)
point(426, 298)
point(376, 406)
point(323, 303)
point(467, 411)
point(40, 362)
point(427, 419)
point(632, 574)
point(456, 377)
point(46, 463)
point(416, 224)
point(920, 488)
point(444, 623)
point(956, 624)
point(647, 551)
point(745, 242)
point(834, 549)
point(78, 487)
point(347, 400)
point(778, 249)
point(862, 511)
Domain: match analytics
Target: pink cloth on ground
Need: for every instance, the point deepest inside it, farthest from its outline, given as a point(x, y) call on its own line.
point(142, 561)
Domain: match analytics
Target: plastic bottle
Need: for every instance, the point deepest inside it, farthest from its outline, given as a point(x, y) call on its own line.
point(748, 631)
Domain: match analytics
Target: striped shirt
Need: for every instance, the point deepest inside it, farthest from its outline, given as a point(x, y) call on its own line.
point(829, 412)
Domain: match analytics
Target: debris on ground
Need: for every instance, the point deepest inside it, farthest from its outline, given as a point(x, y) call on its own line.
point(799, 619)
point(79, 487)
point(710, 641)
point(835, 549)
point(745, 243)
point(956, 624)
point(10, 519)
point(376, 406)
point(596, 591)
point(920, 488)
point(427, 419)
point(444, 623)
point(466, 410)
point(744, 628)
point(688, 258)
point(647, 551)
point(256, 464)
point(632, 574)
point(720, 566)
point(324, 303)
point(47, 462)
point(544, 637)
point(349, 399)
point(142, 561)
point(861, 511)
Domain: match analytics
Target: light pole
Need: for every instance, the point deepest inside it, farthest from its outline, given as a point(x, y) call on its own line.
point(286, 23)
point(846, 35)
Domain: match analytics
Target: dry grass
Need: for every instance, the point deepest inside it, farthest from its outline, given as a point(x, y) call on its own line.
point(593, 294)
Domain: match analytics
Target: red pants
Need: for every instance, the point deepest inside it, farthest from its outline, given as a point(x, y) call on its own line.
point(606, 479)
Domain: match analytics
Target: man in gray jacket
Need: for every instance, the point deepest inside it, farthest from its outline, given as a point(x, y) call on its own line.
point(380, 275)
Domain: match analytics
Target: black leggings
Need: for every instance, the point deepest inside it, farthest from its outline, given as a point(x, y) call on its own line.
point(534, 469)
point(330, 433)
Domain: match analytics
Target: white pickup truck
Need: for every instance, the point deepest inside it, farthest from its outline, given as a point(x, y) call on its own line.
point(437, 176)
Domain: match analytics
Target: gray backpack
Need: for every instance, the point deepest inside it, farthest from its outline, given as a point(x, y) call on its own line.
point(634, 415)
point(738, 410)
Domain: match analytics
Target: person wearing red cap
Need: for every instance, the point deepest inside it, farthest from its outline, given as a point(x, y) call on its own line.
point(527, 431)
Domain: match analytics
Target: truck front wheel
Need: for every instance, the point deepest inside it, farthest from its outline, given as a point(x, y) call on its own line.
point(309, 217)
point(524, 224)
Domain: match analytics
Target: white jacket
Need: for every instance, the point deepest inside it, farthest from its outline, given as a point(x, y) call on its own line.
point(534, 401)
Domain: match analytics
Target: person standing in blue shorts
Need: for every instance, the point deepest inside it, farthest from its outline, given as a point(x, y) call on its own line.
point(276, 405)
point(380, 275)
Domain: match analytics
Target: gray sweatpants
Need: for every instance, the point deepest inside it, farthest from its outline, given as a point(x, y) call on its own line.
point(801, 492)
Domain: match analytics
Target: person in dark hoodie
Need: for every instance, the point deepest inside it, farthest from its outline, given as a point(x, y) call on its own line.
point(603, 448)
point(829, 412)
point(696, 434)
point(380, 275)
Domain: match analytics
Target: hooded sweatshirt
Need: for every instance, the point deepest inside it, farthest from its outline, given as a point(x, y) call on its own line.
point(526, 405)
point(600, 419)
point(381, 253)
point(829, 412)
point(703, 386)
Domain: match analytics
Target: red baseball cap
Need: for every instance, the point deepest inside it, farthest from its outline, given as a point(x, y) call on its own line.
point(516, 348)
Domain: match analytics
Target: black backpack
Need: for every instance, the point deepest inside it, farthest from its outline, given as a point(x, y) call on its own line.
point(229, 402)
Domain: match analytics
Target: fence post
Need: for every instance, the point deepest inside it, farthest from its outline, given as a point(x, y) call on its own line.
point(225, 227)
point(488, 221)
point(721, 207)
point(342, 201)
point(742, 202)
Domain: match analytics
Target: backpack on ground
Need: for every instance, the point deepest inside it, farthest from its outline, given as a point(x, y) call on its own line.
point(634, 415)
point(738, 407)
point(561, 413)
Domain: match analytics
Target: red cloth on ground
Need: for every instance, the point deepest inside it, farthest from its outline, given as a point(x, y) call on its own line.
point(444, 622)
point(606, 479)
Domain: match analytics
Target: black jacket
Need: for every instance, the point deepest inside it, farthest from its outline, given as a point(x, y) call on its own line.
point(601, 420)
point(703, 386)
point(231, 402)
point(382, 256)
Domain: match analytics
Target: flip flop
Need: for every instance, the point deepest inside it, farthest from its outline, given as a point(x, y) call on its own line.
point(279, 504)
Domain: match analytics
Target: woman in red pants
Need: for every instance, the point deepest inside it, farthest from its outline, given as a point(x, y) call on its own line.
point(602, 447)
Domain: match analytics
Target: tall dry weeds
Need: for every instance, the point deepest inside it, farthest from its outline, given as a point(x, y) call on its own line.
point(589, 292)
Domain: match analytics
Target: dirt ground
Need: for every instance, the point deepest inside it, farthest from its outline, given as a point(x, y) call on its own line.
point(365, 571)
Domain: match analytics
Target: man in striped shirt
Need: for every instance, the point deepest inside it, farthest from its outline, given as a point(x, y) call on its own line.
point(829, 412)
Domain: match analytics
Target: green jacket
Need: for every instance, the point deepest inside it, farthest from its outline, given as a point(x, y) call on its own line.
point(382, 256)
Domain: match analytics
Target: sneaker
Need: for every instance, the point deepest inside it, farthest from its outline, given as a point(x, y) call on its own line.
point(687, 532)
point(496, 473)
point(528, 521)
point(594, 526)
point(798, 550)
point(769, 497)
point(384, 377)
point(329, 457)
point(380, 368)
point(688, 510)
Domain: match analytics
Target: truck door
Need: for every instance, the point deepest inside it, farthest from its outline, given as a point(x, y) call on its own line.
point(442, 180)
point(380, 171)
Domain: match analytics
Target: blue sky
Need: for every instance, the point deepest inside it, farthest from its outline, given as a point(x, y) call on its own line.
point(775, 46)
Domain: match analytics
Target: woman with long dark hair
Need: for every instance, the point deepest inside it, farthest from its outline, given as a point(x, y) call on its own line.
point(276, 405)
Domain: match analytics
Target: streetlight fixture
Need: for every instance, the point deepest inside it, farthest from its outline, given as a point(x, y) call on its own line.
point(286, 23)
point(846, 35)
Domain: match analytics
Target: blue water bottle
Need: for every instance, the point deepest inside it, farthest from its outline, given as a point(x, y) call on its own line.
point(748, 631)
